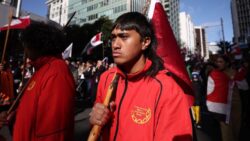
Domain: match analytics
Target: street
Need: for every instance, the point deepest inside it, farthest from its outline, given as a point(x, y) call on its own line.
point(82, 127)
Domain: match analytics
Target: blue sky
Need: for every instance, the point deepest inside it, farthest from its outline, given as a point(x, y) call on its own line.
point(35, 6)
point(201, 11)
point(210, 12)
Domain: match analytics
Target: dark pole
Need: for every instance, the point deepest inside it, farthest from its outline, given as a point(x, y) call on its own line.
point(223, 36)
point(70, 19)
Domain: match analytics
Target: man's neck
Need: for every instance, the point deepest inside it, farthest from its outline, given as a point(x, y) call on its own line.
point(136, 66)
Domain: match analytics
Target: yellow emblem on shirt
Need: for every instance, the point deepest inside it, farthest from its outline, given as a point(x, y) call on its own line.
point(31, 85)
point(141, 115)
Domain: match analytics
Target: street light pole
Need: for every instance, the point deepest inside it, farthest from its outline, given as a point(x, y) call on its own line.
point(19, 3)
point(223, 35)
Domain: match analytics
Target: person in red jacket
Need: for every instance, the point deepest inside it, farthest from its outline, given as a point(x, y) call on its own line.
point(46, 109)
point(148, 104)
point(6, 85)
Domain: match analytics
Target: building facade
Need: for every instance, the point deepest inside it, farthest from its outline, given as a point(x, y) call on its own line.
point(88, 11)
point(200, 42)
point(172, 9)
point(240, 10)
point(187, 33)
point(58, 11)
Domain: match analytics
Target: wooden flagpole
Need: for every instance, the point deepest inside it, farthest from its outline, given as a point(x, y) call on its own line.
point(96, 129)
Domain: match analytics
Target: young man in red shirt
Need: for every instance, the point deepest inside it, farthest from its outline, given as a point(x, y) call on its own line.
point(148, 104)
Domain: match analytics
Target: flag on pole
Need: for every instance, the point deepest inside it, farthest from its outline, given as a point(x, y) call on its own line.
point(18, 23)
point(94, 42)
point(67, 52)
point(167, 47)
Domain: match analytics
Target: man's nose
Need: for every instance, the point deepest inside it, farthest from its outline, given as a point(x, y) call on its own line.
point(116, 43)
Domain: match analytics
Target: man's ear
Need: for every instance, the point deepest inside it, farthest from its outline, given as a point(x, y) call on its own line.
point(146, 42)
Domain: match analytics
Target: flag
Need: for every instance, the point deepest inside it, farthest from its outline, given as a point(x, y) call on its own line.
point(236, 51)
point(94, 42)
point(18, 23)
point(167, 47)
point(67, 52)
point(219, 93)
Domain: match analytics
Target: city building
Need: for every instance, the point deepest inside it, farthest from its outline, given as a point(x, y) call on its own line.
point(200, 42)
point(58, 11)
point(172, 8)
point(240, 10)
point(88, 11)
point(187, 33)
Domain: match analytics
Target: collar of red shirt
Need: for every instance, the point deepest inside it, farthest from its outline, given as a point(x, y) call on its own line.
point(39, 62)
point(137, 74)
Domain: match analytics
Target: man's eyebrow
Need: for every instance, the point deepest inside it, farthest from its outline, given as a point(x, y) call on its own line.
point(118, 34)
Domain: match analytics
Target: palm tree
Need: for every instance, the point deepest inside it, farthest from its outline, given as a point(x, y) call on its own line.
point(225, 47)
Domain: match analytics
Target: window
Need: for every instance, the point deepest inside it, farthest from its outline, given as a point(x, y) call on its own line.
point(101, 4)
point(119, 8)
point(84, 1)
point(92, 7)
point(106, 2)
point(92, 17)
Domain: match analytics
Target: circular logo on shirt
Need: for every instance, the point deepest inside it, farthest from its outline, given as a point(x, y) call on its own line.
point(140, 115)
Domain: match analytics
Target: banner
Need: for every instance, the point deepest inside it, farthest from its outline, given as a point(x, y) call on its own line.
point(19, 23)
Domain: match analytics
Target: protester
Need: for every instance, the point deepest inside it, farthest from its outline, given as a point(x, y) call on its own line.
point(6, 84)
point(223, 98)
point(99, 69)
point(89, 79)
point(148, 104)
point(45, 111)
point(27, 72)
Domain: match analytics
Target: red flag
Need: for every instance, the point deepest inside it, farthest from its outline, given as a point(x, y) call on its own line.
point(94, 42)
point(19, 23)
point(167, 47)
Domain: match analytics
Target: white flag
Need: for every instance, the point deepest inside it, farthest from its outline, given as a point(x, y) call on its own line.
point(67, 52)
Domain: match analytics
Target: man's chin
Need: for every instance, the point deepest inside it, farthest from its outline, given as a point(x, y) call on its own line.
point(118, 61)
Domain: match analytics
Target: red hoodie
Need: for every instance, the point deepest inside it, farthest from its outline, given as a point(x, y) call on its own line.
point(147, 108)
point(46, 110)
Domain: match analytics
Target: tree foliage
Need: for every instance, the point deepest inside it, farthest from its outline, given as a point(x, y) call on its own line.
point(81, 35)
point(224, 46)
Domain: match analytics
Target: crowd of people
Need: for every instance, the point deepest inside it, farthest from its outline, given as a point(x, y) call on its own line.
point(222, 91)
point(147, 98)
